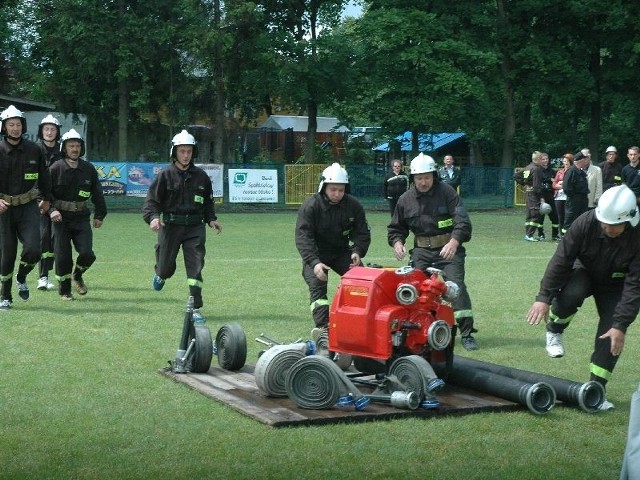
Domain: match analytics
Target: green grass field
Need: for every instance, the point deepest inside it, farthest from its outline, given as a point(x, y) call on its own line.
point(81, 397)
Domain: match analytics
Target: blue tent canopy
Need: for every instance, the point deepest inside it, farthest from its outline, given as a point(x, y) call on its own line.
point(427, 142)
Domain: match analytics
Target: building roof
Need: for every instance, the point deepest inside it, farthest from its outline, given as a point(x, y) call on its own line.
point(24, 104)
point(427, 142)
point(300, 124)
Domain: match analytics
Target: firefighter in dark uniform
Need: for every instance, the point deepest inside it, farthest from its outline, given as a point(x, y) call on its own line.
point(533, 174)
point(74, 182)
point(25, 192)
point(546, 194)
point(49, 136)
point(179, 206)
point(433, 212)
point(332, 233)
point(599, 256)
point(611, 169)
point(395, 184)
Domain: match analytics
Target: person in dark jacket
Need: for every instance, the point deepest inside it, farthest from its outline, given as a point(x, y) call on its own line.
point(576, 188)
point(25, 193)
point(74, 182)
point(546, 195)
point(599, 256)
point(179, 204)
point(631, 171)
point(395, 184)
point(49, 136)
point(332, 233)
point(433, 212)
point(449, 173)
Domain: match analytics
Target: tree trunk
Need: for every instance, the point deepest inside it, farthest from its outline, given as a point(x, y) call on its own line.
point(509, 130)
point(220, 132)
point(312, 128)
point(123, 115)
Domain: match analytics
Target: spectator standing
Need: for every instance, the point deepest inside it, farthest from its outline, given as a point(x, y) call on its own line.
point(576, 188)
point(25, 193)
point(611, 169)
point(332, 233)
point(594, 180)
point(631, 171)
point(599, 256)
point(434, 213)
point(547, 194)
point(395, 184)
point(49, 136)
point(74, 182)
point(533, 188)
point(179, 206)
point(560, 197)
point(449, 173)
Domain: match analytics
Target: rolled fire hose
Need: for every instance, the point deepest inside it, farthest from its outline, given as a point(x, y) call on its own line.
point(274, 364)
point(316, 382)
point(588, 396)
point(417, 374)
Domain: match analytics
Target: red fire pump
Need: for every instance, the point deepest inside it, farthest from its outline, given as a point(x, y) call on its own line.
point(383, 314)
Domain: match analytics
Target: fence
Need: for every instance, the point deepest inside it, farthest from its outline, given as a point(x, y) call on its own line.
point(481, 187)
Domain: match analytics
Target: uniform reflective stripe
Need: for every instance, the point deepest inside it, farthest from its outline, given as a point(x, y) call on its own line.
point(600, 372)
point(192, 282)
point(84, 194)
point(561, 321)
point(31, 176)
point(318, 303)
point(198, 199)
point(4, 278)
point(445, 223)
point(463, 314)
point(62, 278)
point(47, 255)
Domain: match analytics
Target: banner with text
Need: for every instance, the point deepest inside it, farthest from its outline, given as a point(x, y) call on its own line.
point(253, 186)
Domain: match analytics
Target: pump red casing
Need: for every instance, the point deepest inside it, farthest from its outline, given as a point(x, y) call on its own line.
point(366, 313)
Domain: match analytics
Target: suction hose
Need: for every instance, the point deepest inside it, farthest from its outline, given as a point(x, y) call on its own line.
point(588, 396)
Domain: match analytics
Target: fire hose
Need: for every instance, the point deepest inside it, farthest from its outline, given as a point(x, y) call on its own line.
point(274, 364)
point(418, 375)
point(588, 396)
point(316, 382)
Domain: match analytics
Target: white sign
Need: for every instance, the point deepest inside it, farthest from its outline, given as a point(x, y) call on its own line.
point(214, 170)
point(253, 186)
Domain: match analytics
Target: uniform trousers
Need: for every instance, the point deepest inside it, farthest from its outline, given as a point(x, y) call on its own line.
point(339, 263)
point(565, 305)
point(69, 234)
point(21, 222)
point(46, 245)
point(192, 239)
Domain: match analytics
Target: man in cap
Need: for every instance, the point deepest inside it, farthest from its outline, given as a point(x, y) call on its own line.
point(600, 257)
point(434, 213)
point(576, 188)
point(611, 169)
point(179, 206)
point(332, 233)
point(25, 193)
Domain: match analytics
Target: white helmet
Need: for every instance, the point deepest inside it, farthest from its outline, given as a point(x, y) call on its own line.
point(183, 138)
point(12, 112)
point(423, 164)
point(618, 205)
point(72, 135)
point(545, 208)
point(50, 120)
point(334, 173)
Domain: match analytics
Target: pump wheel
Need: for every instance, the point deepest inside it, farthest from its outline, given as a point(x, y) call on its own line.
point(199, 359)
point(231, 343)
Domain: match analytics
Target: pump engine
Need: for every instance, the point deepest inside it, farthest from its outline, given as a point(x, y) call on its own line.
point(382, 314)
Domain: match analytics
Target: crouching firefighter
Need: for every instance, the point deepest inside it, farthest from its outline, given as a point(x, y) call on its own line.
point(599, 257)
point(332, 233)
point(434, 213)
